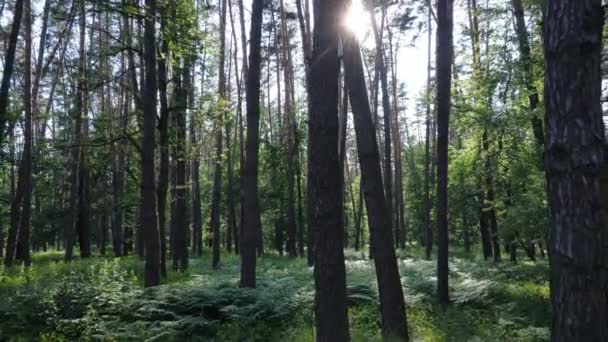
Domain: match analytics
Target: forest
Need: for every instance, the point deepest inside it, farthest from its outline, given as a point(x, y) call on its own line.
point(297, 170)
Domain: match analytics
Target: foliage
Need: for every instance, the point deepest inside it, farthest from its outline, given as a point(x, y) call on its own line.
point(102, 299)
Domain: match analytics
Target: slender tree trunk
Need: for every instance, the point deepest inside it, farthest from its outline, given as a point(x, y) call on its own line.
point(445, 24)
point(386, 108)
point(151, 233)
point(9, 63)
point(23, 244)
point(180, 256)
point(163, 127)
point(428, 239)
point(575, 161)
point(290, 127)
point(250, 174)
point(526, 60)
point(400, 233)
point(217, 176)
point(83, 225)
point(392, 305)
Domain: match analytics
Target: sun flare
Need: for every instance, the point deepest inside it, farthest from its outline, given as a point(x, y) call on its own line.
point(357, 20)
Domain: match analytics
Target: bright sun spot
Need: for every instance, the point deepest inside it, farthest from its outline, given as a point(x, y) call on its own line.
point(357, 20)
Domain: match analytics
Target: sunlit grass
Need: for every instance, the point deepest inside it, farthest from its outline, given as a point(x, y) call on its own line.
point(103, 298)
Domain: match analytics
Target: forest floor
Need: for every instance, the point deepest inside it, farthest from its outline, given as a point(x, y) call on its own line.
point(103, 299)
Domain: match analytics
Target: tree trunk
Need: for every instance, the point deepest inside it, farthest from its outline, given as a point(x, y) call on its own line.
point(250, 181)
point(526, 60)
point(83, 225)
point(574, 160)
point(151, 233)
point(180, 255)
point(9, 63)
point(445, 13)
point(386, 108)
point(217, 176)
point(163, 127)
point(392, 306)
point(331, 318)
point(428, 237)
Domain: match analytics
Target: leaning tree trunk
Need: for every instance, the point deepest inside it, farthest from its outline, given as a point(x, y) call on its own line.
point(392, 305)
point(574, 160)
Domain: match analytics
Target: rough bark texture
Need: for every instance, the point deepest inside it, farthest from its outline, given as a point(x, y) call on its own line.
point(250, 183)
point(574, 157)
point(392, 305)
point(324, 176)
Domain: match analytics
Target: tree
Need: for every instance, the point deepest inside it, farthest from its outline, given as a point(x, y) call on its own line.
point(218, 122)
point(392, 305)
point(151, 234)
point(250, 173)
point(444, 84)
point(526, 60)
point(9, 63)
point(574, 161)
point(331, 317)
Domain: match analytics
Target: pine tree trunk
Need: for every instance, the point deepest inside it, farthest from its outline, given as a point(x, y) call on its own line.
point(249, 238)
point(217, 175)
point(149, 216)
point(331, 319)
point(445, 14)
point(392, 306)
point(575, 160)
point(9, 64)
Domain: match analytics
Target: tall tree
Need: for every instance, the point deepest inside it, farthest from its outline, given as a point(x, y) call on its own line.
point(9, 64)
point(83, 224)
point(386, 109)
point(218, 123)
point(151, 234)
point(331, 317)
point(526, 61)
point(392, 305)
point(445, 24)
point(180, 240)
point(428, 237)
point(574, 161)
point(250, 173)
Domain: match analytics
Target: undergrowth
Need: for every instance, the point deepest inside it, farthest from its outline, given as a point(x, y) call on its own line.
point(102, 299)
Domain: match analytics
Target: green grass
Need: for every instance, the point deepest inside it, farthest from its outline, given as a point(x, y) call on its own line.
point(102, 299)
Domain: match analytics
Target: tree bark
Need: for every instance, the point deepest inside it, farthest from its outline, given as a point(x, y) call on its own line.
point(331, 318)
point(574, 161)
point(445, 13)
point(151, 233)
point(250, 173)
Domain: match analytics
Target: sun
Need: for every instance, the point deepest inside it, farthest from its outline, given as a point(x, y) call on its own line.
point(357, 20)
